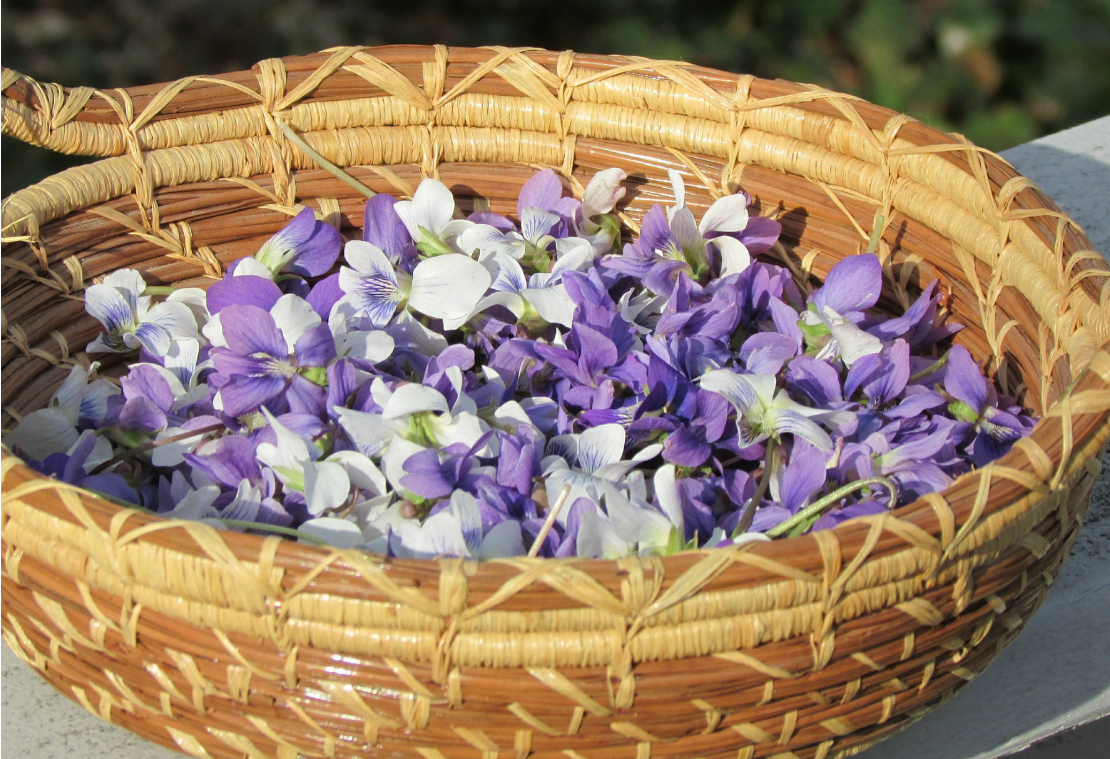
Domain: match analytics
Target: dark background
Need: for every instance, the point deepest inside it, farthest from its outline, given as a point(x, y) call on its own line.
point(1002, 72)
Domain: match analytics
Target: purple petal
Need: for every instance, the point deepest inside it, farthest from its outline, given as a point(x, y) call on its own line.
point(815, 379)
point(243, 394)
point(316, 347)
point(853, 284)
point(760, 234)
point(324, 295)
point(316, 255)
point(383, 227)
point(249, 330)
point(426, 477)
point(541, 191)
point(766, 352)
point(146, 382)
point(233, 461)
point(892, 379)
point(306, 397)
point(142, 414)
point(964, 381)
point(242, 291)
point(110, 484)
point(655, 232)
point(684, 448)
point(803, 476)
point(768, 517)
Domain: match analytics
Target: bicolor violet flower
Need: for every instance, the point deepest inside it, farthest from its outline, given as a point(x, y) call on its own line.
point(445, 287)
point(761, 411)
point(993, 431)
point(133, 320)
point(304, 246)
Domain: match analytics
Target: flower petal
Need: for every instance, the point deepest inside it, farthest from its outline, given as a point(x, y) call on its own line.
point(553, 304)
point(365, 258)
point(543, 190)
point(963, 379)
point(42, 433)
point(109, 307)
point(603, 192)
point(412, 398)
point(735, 257)
point(727, 214)
point(383, 228)
point(242, 291)
point(431, 207)
point(852, 285)
point(244, 394)
point(249, 330)
point(154, 337)
point(504, 540)
point(294, 316)
point(369, 432)
point(599, 446)
point(854, 342)
point(789, 422)
point(448, 286)
point(337, 533)
point(326, 486)
point(741, 390)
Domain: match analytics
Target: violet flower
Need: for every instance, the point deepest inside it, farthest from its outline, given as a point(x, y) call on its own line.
point(264, 361)
point(992, 431)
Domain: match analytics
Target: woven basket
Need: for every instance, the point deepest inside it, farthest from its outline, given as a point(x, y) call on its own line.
point(229, 645)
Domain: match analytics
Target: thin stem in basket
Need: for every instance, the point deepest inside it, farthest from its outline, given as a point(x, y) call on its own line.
point(549, 522)
point(324, 162)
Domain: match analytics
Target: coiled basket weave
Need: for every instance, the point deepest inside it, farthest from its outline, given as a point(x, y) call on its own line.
point(230, 645)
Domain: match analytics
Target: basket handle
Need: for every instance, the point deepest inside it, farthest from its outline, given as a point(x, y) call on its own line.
point(105, 123)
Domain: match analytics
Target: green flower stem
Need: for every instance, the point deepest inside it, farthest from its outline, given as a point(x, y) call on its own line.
point(935, 366)
point(159, 290)
point(287, 531)
point(760, 491)
point(324, 163)
point(132, 452)
point(876, 233)
point(815, 509)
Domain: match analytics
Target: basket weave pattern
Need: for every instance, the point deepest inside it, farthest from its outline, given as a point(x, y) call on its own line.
point(228, 645)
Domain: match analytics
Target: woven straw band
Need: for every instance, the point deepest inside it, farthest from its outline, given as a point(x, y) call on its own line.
point(229, 645)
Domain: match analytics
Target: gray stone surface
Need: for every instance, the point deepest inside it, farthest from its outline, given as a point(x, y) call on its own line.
point(1056, 675)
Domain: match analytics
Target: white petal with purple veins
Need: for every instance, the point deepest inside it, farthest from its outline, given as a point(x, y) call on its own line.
point(599, 446)
point(366, 258)
point(109, 307)
point(369, 432)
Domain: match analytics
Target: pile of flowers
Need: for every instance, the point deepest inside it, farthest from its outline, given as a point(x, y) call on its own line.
point(485, 388)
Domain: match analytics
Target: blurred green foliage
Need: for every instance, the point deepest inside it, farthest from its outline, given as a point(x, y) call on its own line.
point(1001, 72)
